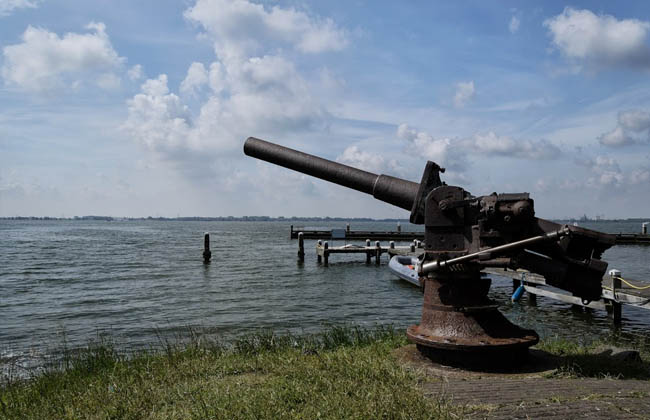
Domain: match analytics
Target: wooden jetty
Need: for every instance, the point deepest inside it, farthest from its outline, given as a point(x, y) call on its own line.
point(616, 291)
point(632, 239)
point(404, 236)
point(358, 235)
point(323, 250)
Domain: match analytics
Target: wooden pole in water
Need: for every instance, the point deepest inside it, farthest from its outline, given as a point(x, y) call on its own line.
point(319, 258)
point(399, 227)
point(347, 228)
point(392, 244)
point(368, 252)
point(532, 299)
point(301, 247)
point(326, 254)
point(617, 308)
point(207, 254)
point(378, 252)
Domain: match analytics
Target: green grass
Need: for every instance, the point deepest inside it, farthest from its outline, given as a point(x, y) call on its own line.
point(342, 372)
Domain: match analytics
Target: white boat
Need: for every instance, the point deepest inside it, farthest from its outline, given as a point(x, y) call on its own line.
point(406, 268)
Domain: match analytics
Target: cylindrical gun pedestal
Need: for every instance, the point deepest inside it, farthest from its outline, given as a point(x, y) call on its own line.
point(461, 326)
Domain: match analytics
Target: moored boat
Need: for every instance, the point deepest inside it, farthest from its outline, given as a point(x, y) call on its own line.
point(406, 268)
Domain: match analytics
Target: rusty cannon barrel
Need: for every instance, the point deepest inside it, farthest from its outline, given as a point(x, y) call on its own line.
point(395, 191)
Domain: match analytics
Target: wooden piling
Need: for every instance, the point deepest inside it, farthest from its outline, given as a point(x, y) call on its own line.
point(347, 228)
point(399, 227)
point(644, 228)
point(377, 253)
point(301, 247)
point(515, 285)
point(319, 258)
point(413, 247)
point(326, 254)
point(207, 254)
point(392, 244)
point(368, 252)
point(617, 309)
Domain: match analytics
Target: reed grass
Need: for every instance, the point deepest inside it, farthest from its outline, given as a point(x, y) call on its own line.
point(343, 372)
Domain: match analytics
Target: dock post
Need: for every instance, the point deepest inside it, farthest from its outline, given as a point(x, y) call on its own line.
point(392, 244)
point(617, 309)
point(207, 254)
point(644, 228)
point(515, 285)
point(399, 227)
point(532, 297)
point(291, 232)
point(368, 252)
point(347, 228)
point(413, 247)
point(326, 254)
point(419, 244)
point(319, 258)
point(301, 247)
point(378, 253)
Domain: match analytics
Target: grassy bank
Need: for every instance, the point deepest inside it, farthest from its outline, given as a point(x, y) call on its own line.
point(340, 373)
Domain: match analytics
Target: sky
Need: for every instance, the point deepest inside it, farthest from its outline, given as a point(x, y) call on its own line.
point(141, 108)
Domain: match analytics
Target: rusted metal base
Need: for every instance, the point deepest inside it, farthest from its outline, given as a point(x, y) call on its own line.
point(460, 325)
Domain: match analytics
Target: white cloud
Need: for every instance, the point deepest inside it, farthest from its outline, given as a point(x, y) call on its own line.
point(615, 138)
point(464, 93)
point(252, 89)
point(368, 161)
point(605, 172)
point(44, 61)
point(135, 73)
point(157, 118)
point(492, 144)
point(262, 95)
point(241, 28)
point(196, 77)
point(8, 6)
point(640, 177)
point(632, 128)
point(601, 40)
point(108, 81)
point(634, 120)
point(444, 151)
point(513, 26)
point(453, 153)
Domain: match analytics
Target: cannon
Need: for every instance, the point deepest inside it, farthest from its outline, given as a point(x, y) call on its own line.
point(465, 234)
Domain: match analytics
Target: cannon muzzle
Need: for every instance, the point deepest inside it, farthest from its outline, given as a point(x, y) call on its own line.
point(395, 191)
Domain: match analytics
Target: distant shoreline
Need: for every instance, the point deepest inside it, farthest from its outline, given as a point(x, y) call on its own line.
point(276, 219)
point(211, 219)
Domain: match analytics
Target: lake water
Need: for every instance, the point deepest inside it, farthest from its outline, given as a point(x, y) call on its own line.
point(143, 280)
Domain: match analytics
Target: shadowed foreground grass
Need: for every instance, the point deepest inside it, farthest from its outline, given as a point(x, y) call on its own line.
point(342, 372)
point(589, 361)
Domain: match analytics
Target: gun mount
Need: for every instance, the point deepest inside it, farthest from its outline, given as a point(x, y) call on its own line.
point(463, 235)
